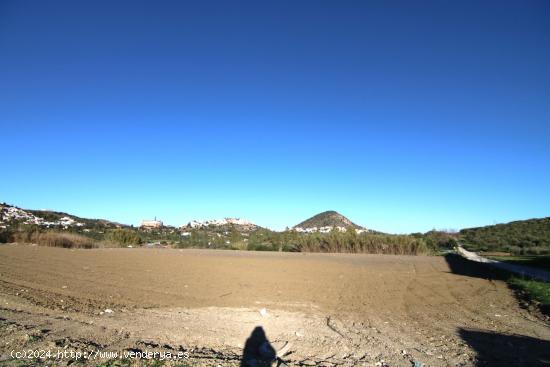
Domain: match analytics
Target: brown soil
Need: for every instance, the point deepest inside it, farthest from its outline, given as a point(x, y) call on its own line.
point(333, 309)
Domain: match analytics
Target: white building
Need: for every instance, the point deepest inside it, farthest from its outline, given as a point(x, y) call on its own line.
point(151, 224)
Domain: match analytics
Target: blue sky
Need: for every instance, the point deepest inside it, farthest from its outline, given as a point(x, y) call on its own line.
point(403, 116)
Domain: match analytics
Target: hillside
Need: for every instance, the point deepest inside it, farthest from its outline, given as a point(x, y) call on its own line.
point(49, 215)
point(326, 221)
point(530, 236)
point(12, 217)
point(226, 224)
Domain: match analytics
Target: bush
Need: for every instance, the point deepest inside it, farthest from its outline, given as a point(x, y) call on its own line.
point(440, 240)
point(55, 239)
point(351, 242)
point(124, 237)
point(521, 237)
point(5, 235)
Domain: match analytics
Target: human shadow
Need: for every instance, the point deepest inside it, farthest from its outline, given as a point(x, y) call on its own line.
point(494, 349)
point(258, 351)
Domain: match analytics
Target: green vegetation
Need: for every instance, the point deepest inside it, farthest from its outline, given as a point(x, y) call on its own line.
point(533, 290)
point(526, 237)
point(438, 240)
point(232, 239)
point(335, 241)
point(123, 236)
point(351, 242)
point(55, 239)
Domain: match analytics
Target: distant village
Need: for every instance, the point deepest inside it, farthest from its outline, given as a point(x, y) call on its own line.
point(11, 213)
point(195, 224)
point(151, 224)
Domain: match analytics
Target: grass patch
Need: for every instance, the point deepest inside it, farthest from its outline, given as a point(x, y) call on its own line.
point(533, 290)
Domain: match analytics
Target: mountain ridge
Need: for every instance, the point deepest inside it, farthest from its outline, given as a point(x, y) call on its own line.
point(11, 214)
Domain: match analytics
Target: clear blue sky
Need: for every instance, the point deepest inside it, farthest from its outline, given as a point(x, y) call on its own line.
point(404, 116)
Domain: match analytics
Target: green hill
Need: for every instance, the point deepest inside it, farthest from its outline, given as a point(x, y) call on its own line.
point(329, 218)
point(53, 216)
point(530, 236)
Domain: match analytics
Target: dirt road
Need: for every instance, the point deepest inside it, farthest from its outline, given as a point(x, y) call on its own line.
point(332, 309)
point(522, 270)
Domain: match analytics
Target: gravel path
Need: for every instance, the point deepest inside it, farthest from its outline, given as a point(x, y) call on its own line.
point(517, 269)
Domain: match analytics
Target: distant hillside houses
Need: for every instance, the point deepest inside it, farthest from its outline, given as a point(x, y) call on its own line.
point(151, 224)
point(327, 229)
point(218, 222)
point(9, 214)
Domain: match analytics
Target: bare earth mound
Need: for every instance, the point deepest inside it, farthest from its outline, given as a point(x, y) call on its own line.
point(332, 309)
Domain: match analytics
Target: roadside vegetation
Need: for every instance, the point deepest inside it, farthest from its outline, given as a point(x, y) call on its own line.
point(525, 237)
point(533, 291)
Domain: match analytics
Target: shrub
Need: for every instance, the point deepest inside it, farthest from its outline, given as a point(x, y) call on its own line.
point(5, 235)
point(55, 239)
point(351, 242)
point(521, 237)
point(124, 237)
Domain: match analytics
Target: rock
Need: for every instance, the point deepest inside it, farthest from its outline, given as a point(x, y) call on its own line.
point(108, 310)
point(308, 362)
point(263, 312)
point(281, 348)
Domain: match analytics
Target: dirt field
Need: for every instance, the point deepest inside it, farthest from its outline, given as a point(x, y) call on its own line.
point(331, 309)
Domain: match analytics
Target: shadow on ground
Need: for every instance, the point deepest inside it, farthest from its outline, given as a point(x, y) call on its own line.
point(495, 349)
point(258, 351)
point(462, 266)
